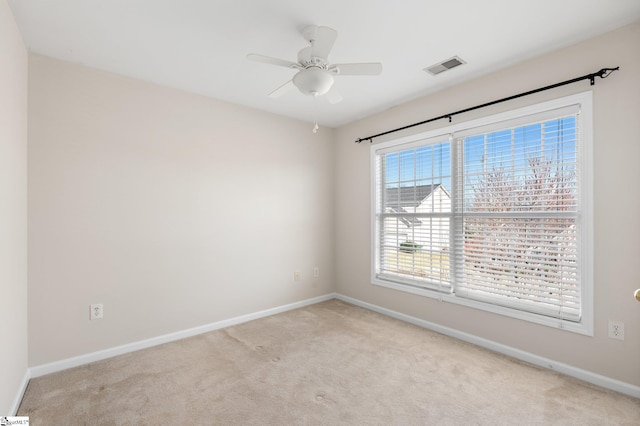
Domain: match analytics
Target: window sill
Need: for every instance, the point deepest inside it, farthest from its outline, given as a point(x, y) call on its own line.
point(584, 327)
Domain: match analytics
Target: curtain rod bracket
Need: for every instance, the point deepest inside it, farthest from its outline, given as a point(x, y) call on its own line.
point(603, 73)
point(364, 139)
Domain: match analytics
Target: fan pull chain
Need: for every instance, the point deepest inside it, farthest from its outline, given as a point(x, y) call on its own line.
point(315, 113)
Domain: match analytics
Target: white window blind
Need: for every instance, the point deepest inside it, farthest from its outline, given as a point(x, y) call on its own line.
point(519, 211)
point(413, 215)
point(490, 213)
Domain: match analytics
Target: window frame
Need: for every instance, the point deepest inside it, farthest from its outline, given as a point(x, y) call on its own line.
point(585, 210)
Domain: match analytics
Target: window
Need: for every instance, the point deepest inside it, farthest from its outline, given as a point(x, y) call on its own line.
point(493, 214)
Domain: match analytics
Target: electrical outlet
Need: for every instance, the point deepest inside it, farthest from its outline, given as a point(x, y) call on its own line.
point(316, 272)
point(616, 330)
point(296, 276)
point(96, 311)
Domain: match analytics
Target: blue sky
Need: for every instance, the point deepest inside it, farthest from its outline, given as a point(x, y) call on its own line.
point(508, 150)
point(432, 165)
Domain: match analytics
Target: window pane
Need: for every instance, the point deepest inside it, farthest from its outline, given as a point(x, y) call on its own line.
point(414, 215)
point(526, 169)
point(523, 260)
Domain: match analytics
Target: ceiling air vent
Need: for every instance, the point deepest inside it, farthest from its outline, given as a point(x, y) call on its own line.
point(445, 65)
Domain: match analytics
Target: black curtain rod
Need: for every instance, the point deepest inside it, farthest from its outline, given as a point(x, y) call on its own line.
point(603, 73)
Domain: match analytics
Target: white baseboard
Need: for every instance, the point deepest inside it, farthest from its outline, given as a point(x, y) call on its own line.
point(587, 376)
point(64, 364)
point(18, 399)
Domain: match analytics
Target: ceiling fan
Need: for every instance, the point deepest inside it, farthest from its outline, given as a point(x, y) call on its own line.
point(315, 73)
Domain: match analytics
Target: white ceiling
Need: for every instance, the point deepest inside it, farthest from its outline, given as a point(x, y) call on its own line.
point(201, 45)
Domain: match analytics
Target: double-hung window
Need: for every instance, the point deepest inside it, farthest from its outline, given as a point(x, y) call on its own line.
point(493, 214)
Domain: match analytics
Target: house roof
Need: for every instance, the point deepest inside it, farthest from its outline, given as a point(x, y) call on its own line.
point(397, 199)
point(408, 196)
point(408, 221)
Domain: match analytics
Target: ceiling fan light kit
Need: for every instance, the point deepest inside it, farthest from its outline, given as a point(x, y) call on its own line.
point(313, 81)
point(315, 74)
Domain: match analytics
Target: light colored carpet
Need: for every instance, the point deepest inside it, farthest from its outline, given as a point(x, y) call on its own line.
point(327, 364)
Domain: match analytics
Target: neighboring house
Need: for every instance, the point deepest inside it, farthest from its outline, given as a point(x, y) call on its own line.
point(431, 233)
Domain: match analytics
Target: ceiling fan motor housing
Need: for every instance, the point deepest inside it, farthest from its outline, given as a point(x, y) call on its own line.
point(313, 81)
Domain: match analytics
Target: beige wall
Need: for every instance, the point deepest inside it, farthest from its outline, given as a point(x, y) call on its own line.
point(13, 210)
point(617, 204)
point(172, 209)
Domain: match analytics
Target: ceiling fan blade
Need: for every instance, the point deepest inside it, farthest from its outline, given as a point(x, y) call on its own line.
point(272, 61)
point(333, 96)
point(282, 89)
point(322, 42)
point(372, 68)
